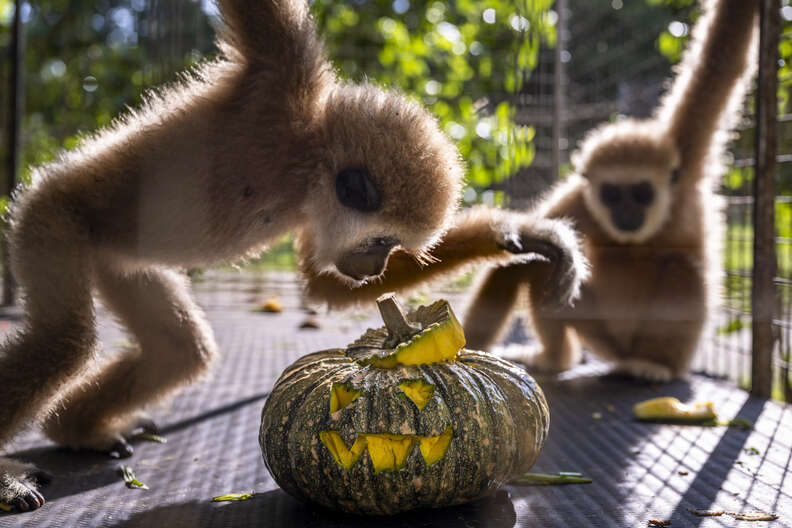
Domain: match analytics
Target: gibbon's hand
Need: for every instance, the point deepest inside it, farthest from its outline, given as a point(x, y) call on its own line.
point(556, 242)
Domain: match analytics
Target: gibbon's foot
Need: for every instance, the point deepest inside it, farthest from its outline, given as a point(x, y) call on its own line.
point(646, 370)
point(560, 248)
point(145, 425)
point(18, 485)
point(141, 425)
point(114, 442)
point(121, 449)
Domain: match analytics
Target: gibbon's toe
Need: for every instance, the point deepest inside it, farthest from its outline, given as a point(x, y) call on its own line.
point(121, 449)
point(646, 370)
point(30, 499)
point(144, 425)
point(18, 485)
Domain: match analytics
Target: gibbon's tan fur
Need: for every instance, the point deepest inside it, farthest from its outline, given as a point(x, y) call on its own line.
point(263, 141)
point(478, 235)
point(654, 267)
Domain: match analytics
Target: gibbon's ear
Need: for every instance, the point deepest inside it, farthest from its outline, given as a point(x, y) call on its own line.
point(278, 30)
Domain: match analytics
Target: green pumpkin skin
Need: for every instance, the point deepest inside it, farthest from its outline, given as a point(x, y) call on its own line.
point(497, 411)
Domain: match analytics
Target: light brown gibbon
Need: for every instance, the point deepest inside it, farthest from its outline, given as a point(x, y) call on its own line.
point(642, 202)
point(642, 199)
point(263, 141)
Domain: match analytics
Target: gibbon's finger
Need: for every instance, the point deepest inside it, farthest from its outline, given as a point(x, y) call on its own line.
point(565, 280)
point(565, 285)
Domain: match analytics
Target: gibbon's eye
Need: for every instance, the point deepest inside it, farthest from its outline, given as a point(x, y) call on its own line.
point(355, 189)
point(643, 193)
point(675, 174)
point(610, 194)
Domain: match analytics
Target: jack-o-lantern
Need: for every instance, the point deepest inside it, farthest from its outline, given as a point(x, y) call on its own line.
point(403, 418)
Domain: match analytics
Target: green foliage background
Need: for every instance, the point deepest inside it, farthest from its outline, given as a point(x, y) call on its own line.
point(87, 60)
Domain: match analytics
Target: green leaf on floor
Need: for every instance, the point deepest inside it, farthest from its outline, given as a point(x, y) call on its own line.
point(233, 497)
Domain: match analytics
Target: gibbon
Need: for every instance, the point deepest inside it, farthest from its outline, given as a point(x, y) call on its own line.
point(263, 141)
point(641, 200)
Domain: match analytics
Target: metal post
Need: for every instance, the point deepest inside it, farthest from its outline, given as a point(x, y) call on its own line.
point(16, 103)
point(558, 85)
point(763, 294)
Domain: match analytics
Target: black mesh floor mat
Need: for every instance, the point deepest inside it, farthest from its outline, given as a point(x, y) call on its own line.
point(640, 471)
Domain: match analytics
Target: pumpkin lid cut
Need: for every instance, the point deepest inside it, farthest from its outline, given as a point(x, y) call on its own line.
point(429, 334)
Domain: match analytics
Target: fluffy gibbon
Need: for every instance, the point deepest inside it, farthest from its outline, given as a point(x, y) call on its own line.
point(263, 141)
point(642, 203)
point(642, 200)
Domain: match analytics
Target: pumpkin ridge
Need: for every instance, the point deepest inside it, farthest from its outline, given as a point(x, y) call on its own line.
point(299, 400)
point(471, 391)
point(455, 400)
point(432, 372)
point(530, 391)
point(505, 422)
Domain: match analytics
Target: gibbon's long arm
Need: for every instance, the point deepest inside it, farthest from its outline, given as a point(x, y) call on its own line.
point(478, 235)
point(278, 33)
point(712, 77)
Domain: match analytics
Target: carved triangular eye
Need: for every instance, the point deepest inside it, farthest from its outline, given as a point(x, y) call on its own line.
point(342, 395)
point(418, 391)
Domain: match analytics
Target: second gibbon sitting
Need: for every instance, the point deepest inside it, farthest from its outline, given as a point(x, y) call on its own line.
point(642, 203)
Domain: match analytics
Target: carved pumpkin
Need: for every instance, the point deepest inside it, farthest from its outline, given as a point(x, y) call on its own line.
point(403, 418)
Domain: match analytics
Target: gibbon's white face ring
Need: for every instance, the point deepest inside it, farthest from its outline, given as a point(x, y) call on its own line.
point(655, 214)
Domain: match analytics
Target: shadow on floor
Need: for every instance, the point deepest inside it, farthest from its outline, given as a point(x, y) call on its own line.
point(276, 508)
point(702, 492)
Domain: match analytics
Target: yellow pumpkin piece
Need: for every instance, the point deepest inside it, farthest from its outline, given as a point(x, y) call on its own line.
point(670, 408)
point(270, 306)
point(433, 448)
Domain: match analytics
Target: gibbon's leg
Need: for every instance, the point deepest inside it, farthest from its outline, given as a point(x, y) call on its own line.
point(495, 300)
point(491, 306)
point(58, 339)
point(665, 343)
point(560, 345)
point(175, 345)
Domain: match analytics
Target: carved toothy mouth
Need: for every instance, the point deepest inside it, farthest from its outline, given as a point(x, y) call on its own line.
point(387, 451)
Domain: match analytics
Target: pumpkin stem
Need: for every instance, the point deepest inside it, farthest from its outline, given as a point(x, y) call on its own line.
point(394, 318)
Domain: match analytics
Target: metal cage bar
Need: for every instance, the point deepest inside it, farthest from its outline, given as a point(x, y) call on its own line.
point(763, 291)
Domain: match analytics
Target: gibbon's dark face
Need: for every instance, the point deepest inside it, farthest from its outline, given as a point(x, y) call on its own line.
point(355, 190)
point(630, 172)
point(627, 203)
point(630, 202)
